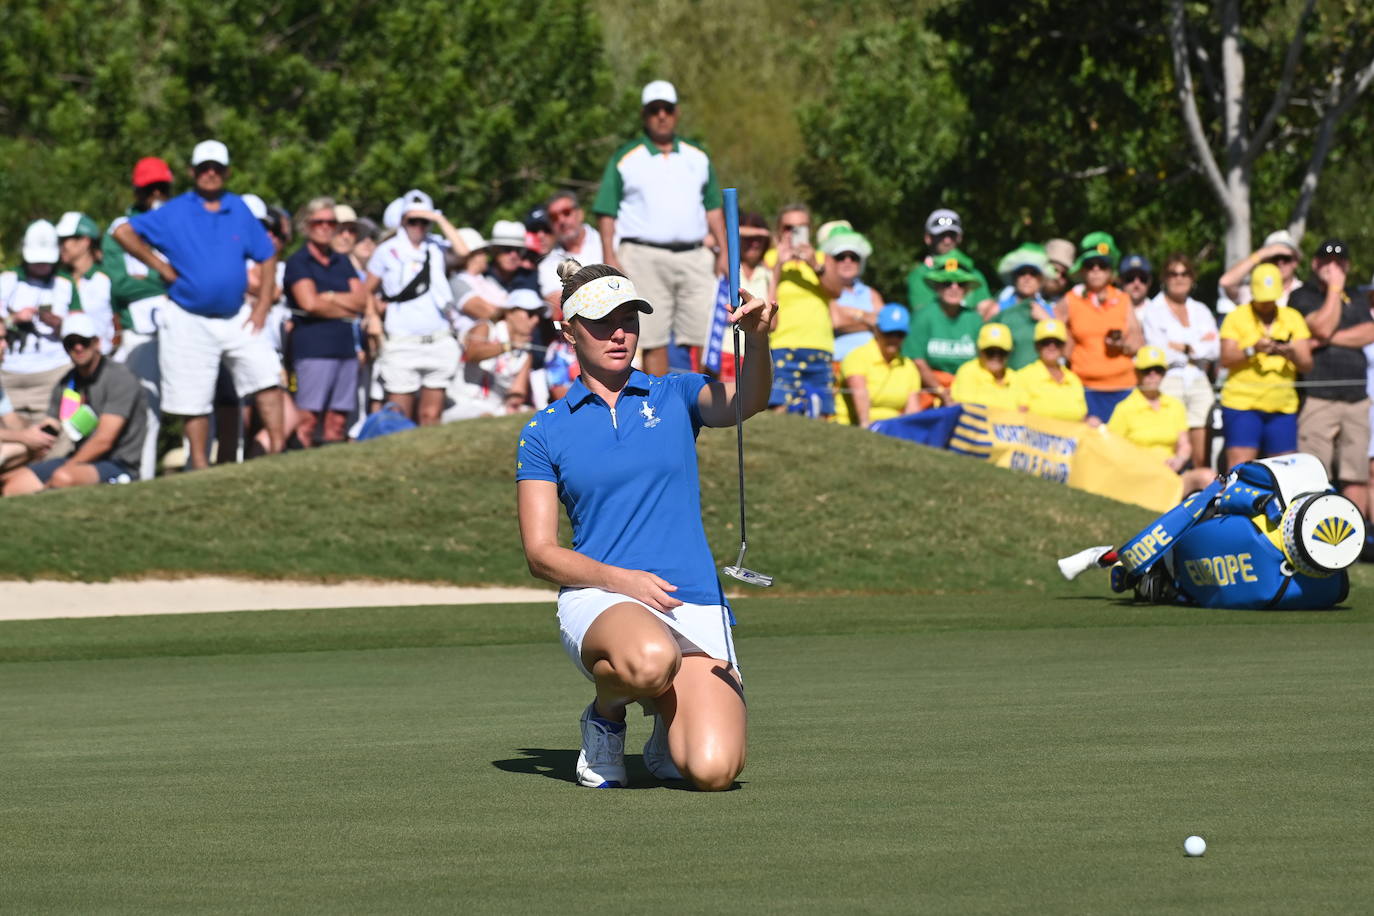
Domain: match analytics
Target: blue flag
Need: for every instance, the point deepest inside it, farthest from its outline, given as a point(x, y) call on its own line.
point(720, 320)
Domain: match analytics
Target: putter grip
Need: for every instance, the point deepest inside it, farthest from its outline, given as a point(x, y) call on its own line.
point(730, 202)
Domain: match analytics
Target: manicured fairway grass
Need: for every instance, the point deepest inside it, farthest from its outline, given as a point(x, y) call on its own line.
point(978, 753)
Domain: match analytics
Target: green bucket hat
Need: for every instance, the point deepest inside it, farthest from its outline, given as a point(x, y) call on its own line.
point(1097, 245)
point(952, 267)
point(1028, 255)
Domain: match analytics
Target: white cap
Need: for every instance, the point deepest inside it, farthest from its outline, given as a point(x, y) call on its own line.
point(391, 216)
point(78, 324)
point(472, 238)
point(255, 206)
point(598, 298)
point(40, 243)
point(944, 220)
point(345, 214)
point(210, 151)
point(508, 233)
point(527, 300)
point(1283, 237)
point(415, 199)
point(658, 91)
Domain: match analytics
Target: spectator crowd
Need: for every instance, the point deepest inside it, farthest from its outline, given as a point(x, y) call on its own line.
point(262, 332)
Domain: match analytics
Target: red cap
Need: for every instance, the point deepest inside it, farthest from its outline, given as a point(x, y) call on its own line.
point(151, 170)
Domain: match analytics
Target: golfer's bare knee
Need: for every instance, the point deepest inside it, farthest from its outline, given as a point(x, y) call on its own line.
point(712, 771)
point(649, 666)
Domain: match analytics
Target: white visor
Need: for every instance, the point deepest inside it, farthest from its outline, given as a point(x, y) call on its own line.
point(601, 296)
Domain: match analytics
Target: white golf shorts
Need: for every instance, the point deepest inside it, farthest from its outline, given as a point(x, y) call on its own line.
point(408, 364)
point(190, 348)
point(701, 628)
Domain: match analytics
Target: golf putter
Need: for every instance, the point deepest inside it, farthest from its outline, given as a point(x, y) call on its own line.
point(731, 204)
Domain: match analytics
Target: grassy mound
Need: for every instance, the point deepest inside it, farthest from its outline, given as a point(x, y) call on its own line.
point(830, 510)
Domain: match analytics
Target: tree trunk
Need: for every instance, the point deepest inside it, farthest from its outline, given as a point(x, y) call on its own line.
point(1234, 126)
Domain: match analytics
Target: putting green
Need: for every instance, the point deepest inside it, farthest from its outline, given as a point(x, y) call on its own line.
point(987, 753)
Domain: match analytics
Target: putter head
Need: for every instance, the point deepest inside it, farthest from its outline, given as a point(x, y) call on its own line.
point(748, 576)
point(1074, 566)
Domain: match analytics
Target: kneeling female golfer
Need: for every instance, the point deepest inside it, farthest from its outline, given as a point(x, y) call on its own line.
point(641, 610)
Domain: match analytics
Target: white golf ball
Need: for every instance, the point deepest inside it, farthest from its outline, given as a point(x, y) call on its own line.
point(1194, 846)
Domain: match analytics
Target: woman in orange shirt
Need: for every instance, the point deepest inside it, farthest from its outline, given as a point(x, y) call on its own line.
point(1103, 331)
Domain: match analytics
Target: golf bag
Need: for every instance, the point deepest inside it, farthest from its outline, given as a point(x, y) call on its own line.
point(1272, 534)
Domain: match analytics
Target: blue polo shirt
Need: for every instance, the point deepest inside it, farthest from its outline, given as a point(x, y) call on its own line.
point(628, 478)
point(207, 250)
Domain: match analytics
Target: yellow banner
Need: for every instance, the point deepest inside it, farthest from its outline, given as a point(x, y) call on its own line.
point(1082, 456)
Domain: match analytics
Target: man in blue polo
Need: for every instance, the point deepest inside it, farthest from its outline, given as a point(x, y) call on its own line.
point(659, 199)
point(205, 237)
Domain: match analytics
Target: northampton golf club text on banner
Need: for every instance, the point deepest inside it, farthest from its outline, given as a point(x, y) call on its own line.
point(1082, 456)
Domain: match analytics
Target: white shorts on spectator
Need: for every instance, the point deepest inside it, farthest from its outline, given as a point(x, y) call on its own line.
point(408, 364)
point(190, 349)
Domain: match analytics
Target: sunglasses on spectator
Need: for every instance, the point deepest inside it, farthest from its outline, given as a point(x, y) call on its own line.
point(848, 256)
point(72, 342)
point(1155, 370)
point(944, 283)
point(995, 353)
point(322, 222)
point(1136, 277)
point(1024, 272)
point(1281, 259)
point(163, 186)
point(1097, 264)
point(1049, 342)
point(1177, 273)
point(658, 108)
point(505, 249)
point(417, 221)
point(217, 167)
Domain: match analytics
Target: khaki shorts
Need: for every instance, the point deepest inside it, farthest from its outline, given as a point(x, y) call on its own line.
point(680, 285)
point(1196, 394)
point(31, 392)
point(1337, 432)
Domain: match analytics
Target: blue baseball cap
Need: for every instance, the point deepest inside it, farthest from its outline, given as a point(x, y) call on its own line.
point(894, 317)
point(1135, 262)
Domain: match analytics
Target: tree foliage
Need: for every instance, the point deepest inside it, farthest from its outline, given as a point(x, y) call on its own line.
point(488, 104)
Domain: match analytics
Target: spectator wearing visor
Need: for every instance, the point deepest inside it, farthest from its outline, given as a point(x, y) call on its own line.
point(419, 355)
point(1333, 423)
point(986, 380)
point(1103, 331)
point(944, 232)
point(945, 337)
point(880, 382)
point(1047, 387)
point(205, 235)
point(1264, 346)
point(326, 298)
point(854, 312)
point(572, 238)
point(1136, 276)
point(1019, 305)
point(78, 239)
point(1156, 422)
point(660, 199)
point(1185, 330)
point(99, 406)
point(34, 299)
point(1279, 249)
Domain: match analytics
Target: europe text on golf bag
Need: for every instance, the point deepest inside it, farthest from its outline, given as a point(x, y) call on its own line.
point(1271, 534)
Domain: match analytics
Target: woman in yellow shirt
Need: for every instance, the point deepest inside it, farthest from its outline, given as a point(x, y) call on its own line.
point(1264, 346)
point(1157, 422)
point(881, 382)
point(1048, 387)
point(986, 380)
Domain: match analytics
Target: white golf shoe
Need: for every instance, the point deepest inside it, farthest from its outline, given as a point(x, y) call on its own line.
point(657, 758)
point(601, 764)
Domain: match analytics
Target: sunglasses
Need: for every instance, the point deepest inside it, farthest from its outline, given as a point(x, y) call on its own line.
point(1049, 342)
point(1281, 259)
point(948, 283)
point(1135, 277)
point(73, 342)
point(1152, 370)
point(560, 214)
point(322, 222)
point(417, 222)
point(503, 249)
point(1025, 272)
point(658, 108)
point(996, 353)
point(1177, 273)
point(216, 167)
point(1097, 264)
point(164, 187)
point(848, 256)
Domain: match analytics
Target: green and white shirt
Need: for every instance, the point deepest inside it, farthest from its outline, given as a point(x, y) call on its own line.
point(656, 196)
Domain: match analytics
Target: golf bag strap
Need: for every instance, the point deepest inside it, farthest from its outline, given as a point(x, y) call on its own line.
point(1144, 550)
